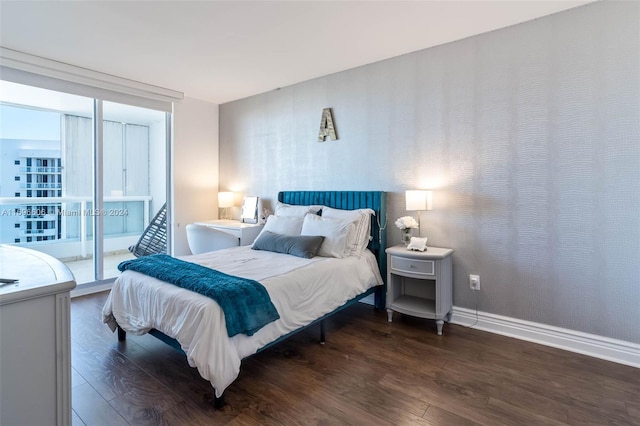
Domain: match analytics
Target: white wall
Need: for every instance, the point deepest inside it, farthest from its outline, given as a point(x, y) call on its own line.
point(157, 166)
point(195, 167)
point(529, 137)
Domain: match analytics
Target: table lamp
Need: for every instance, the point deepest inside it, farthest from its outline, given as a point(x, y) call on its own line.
point(225, 200)
point(419, 200)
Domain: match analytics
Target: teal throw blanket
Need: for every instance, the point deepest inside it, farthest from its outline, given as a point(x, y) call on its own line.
point(245, 303)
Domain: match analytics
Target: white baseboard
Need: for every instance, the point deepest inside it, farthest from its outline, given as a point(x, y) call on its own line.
point(593, 345)
point(95, 287)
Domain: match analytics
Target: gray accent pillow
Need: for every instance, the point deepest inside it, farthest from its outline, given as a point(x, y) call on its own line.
point(300, 245)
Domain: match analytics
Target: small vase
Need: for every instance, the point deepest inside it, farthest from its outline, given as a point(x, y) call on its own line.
point(406, 236)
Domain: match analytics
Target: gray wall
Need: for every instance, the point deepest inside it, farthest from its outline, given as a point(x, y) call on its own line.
point(529, 137)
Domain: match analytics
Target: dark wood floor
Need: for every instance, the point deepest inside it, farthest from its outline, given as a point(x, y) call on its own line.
point(369, 372)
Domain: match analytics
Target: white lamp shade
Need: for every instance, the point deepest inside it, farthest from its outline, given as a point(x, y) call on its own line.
point(225, 199)
point(419, 200)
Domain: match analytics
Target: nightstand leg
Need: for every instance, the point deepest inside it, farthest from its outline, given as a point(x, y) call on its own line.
point(389, 315)
point(439, 324)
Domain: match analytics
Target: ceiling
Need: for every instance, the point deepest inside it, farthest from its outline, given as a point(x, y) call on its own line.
point(220, 51)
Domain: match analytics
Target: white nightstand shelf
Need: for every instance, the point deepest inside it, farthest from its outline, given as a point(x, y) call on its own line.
point(420, 283)
point(413, 305)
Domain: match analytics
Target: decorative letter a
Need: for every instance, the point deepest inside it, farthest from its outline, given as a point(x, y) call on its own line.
point(326, 126)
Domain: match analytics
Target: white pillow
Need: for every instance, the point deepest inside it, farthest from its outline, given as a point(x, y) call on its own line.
point(283, 209)
point(335, 233)
point(361, 218)
point(282, 225)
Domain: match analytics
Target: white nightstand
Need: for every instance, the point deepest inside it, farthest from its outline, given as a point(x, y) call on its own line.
point(245, 232)
point(420, 283)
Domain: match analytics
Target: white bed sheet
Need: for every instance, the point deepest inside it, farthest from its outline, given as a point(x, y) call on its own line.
point(302, 290)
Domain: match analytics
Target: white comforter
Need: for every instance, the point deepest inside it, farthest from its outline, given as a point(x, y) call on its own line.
point(302, 290)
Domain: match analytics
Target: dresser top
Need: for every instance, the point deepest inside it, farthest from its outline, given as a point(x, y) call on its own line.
point(38, 274)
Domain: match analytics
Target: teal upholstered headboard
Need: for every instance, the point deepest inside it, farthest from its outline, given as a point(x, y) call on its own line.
point(351, 200)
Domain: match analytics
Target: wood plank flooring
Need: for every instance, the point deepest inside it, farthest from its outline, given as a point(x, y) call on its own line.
point(369, 372)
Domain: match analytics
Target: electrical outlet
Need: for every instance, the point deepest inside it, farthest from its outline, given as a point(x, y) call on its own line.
point(474, 282)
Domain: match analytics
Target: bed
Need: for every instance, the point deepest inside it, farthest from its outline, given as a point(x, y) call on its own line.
point(303, 290)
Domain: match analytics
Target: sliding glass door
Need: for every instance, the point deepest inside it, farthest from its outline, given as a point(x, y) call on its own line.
point(80, 178)
point(134, 171)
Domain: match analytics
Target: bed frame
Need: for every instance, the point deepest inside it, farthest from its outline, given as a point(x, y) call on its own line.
point(345, 200)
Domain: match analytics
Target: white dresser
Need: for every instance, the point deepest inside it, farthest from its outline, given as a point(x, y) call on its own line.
point(35, 343)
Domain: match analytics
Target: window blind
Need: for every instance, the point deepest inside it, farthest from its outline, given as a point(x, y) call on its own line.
point(23, 68)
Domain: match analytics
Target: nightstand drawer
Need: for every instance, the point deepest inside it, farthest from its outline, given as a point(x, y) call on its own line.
point(414, 266)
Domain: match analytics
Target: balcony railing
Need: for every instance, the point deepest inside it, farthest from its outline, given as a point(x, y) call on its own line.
point(34, 231)
point(33, 169)
point(39, 217)
point(41, 186)
point(80, 208)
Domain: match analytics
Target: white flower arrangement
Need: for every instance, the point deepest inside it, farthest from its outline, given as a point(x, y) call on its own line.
point(406, 222)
